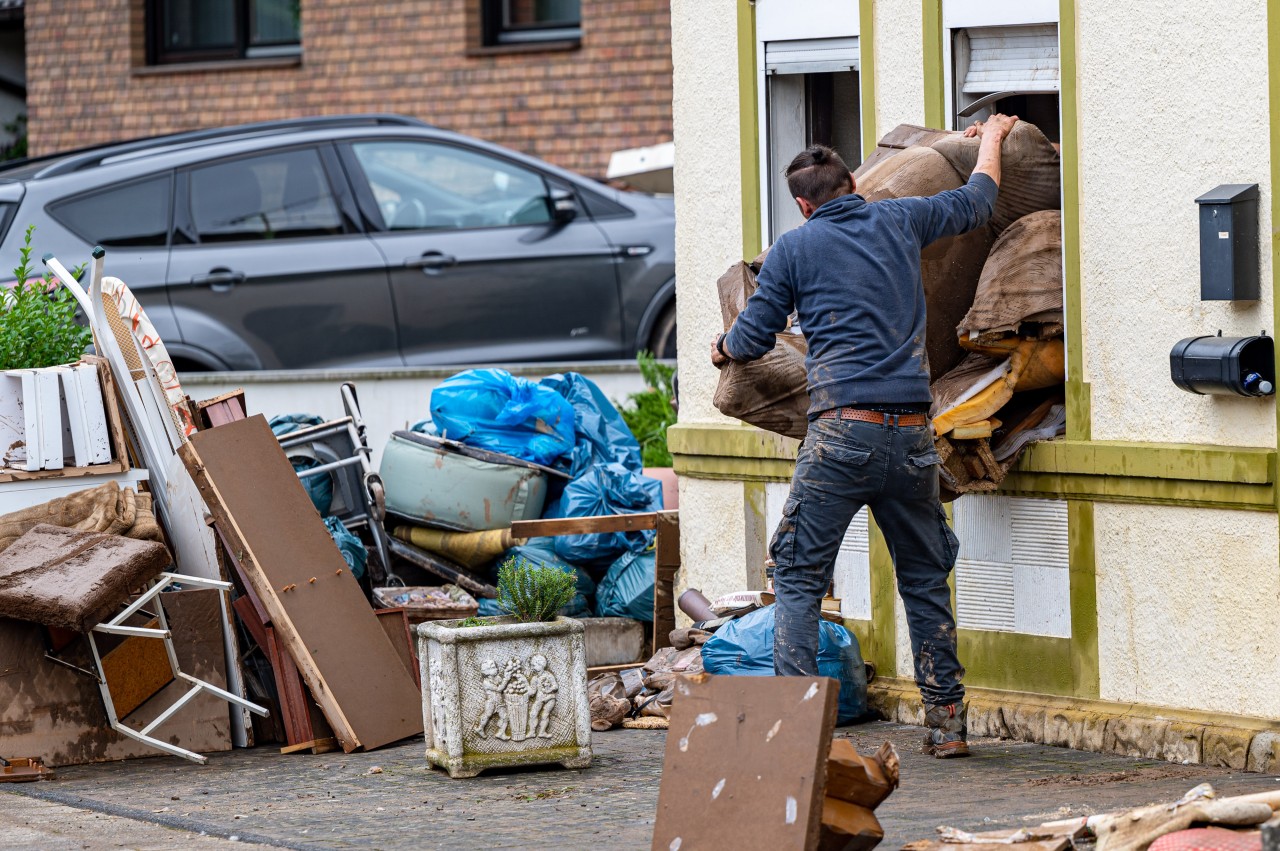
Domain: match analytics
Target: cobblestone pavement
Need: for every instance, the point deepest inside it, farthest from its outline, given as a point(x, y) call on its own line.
point(338, 801)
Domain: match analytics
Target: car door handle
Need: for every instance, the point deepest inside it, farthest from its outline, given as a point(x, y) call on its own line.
point(219, 280)
point(431, 262)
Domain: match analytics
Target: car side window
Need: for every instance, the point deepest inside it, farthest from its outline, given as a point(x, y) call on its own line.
point(275, 196)
point(425, 186)
point(136, 214)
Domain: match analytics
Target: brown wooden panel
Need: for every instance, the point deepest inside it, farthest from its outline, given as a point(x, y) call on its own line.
point(666, 565)
point(746, 763)
point(584, 525)
point(395, 622)
point(316, 606)
point(135, 670)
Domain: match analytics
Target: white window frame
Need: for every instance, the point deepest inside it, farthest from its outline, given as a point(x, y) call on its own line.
point(793, 20)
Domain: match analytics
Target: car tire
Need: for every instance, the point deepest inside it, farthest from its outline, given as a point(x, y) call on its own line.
point(662, 339)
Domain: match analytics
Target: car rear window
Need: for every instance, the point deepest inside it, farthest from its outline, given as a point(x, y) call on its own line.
point(135, 214)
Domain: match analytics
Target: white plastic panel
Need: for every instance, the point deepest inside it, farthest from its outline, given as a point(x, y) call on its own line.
point(853, 564)
point(1013, 571)
point(811, 56)
point(994, 13)
point(1012, 59)
point(778, 20)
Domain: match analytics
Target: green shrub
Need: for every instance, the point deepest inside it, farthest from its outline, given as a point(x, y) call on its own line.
point(38, 325)
point(534, 592)
point(650, 412)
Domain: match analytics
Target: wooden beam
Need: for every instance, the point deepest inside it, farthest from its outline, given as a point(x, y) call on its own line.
point(584, 525)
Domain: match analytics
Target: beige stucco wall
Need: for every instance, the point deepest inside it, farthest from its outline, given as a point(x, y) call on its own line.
point(1188, 607)
point(1173, 100)
point(899, 64)
point(708, 190)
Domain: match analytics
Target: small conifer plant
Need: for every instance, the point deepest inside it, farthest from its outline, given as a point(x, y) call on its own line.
point(532, 592)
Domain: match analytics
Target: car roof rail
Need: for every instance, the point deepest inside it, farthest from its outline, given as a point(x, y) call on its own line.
point(66, 162)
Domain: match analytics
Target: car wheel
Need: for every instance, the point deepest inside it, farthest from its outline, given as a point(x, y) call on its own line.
point(662, 339)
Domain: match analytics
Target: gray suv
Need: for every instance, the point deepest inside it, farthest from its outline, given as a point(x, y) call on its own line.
point(356, 241)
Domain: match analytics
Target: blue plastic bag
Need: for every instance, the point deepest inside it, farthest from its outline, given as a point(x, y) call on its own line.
point(349, 544)
point(745, 647)
point(626, 591)
point(319, 488)
point(495, 410)
point(605, 489)
point(600, 433)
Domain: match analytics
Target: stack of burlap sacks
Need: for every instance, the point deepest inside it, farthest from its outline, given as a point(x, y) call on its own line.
point(994, 300)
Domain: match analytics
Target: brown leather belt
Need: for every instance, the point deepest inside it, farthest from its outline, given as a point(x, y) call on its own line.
point(874, 417)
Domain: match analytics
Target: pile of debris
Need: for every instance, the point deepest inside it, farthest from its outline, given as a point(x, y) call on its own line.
point(1199, 820)
point(995, 312)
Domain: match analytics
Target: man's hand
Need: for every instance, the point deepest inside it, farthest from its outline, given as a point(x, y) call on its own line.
point(718, 360)
point(992, 131)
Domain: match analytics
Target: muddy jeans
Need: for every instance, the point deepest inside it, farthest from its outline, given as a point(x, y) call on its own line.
point(844, 465)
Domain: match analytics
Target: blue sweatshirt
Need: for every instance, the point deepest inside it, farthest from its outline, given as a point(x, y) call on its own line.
point(852, 274)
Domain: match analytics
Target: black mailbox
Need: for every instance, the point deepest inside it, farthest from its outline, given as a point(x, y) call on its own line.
point(1229, 243)
point(1225, 366)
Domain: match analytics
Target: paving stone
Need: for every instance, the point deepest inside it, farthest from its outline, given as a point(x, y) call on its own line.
point(987, 719)
point(332, 801)
point(1071, 728)
point(1182, 742)
point(1135, 737)
point(1024, 723)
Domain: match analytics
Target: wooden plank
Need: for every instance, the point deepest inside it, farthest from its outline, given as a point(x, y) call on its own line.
point(220, 410)
point(666, 565)
point(316, 606)
point(110, 468)
point(293, 699)
point(584, 525)
point(111, 398)
point(726, 734)
point(395, 623)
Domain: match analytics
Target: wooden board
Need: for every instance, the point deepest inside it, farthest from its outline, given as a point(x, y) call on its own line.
point(666, 566)
point(135, 670)
point(317, 608)
point(220, 410)
point(584, 525)
point(395, 623)
point(745, 764)
point(55, 713)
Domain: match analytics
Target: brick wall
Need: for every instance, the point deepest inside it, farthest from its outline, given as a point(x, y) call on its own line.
point(87, 81)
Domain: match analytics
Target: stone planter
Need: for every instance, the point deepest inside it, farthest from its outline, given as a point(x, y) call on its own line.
point(506, 694)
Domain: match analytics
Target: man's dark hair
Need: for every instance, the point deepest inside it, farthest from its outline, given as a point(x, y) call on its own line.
point(817, 175)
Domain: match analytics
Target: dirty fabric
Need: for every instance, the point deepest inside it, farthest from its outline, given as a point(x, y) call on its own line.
point(1030, 171)
point(73, 579)
point(107, 508)
point(843, 466)
point(1021, 281)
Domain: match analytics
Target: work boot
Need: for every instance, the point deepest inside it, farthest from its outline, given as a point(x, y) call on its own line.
point(948, 734)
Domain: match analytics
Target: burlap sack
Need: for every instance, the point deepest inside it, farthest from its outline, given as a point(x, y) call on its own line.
point(1021, 281)
point(107, 508)
point(949, 268)
point(896, 141)
point(1031, 175)
point(771, 393)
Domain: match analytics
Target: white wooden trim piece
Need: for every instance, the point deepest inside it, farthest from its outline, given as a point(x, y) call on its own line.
point(95, 413)
point(17, 495)
point(13, 427)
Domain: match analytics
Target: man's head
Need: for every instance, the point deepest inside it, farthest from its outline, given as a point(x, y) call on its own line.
point(817, 175)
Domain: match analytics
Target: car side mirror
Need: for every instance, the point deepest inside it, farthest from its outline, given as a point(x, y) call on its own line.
point(564, 207)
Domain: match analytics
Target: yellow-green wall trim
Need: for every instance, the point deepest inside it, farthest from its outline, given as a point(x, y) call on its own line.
point(867, 74)
point(935, 79)
point(748, 130)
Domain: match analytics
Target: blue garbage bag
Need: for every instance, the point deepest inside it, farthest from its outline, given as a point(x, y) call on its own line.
point(605, 489)
point(600, 433)
point(626, 591)
point(495, 410)
point(349, 544)
point(745, 647)
point(319, 488)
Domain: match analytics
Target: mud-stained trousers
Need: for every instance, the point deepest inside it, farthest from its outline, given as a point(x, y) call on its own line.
point(844, 465)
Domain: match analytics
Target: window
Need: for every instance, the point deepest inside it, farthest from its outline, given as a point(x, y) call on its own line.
point(204, 30)
point(812, 99)
point(531, 21)
point(136, 214)
point(1009, 69)
point(423, 186)
point(276, 196)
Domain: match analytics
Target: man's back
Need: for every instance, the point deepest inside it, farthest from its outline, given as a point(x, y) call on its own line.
point(852, 274)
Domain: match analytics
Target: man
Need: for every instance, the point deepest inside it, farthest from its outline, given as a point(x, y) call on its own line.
point(852, 274)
